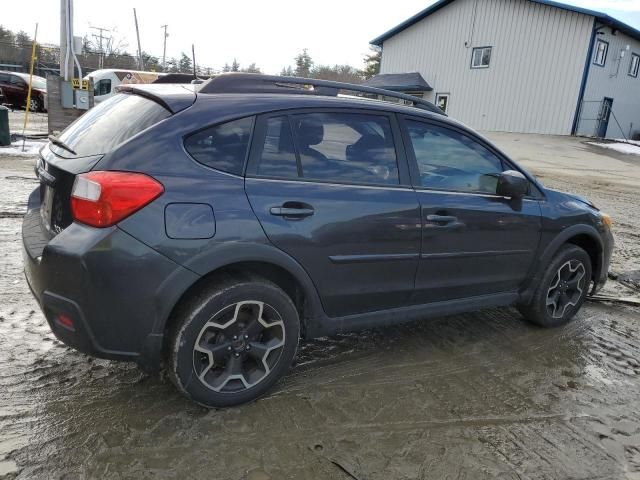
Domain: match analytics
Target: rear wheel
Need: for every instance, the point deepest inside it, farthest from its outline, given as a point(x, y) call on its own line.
point(232, 342)
point(562, 290)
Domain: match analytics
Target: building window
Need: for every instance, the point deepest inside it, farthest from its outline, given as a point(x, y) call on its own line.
point(480, 57)
point(442, 101)
point(634, 64)
point(600, 56)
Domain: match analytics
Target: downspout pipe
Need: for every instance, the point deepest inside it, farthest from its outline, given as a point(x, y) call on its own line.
point(70, 47)
point(585, 76)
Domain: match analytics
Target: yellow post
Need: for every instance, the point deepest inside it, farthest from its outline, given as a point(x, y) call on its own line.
point(26, 111)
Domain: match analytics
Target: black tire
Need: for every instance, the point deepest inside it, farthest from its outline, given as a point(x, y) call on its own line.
point(556, 301)
point(249, 304)
point(36, 105)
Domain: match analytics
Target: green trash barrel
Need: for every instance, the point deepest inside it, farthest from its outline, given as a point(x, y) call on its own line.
point(5, 137)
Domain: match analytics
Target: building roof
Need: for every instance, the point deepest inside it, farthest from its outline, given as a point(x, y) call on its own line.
point(399, 82)
point(602, 17)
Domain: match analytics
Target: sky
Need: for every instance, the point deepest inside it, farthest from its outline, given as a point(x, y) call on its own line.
point(269, 33)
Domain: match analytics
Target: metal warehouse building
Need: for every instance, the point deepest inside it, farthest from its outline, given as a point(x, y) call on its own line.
point(532, 66)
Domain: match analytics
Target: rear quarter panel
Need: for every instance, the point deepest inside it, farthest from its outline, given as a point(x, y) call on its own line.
point(159, 152)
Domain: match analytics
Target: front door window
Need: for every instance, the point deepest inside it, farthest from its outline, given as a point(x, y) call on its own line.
point(449, 160)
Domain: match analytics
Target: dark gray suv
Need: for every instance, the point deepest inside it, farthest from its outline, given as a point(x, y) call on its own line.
point(208, 228)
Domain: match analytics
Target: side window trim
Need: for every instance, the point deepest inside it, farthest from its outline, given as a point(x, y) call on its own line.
point(260, 130)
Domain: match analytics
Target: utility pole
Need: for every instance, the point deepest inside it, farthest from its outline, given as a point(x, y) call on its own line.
point(66, 60)
point(193, 55)
point(100, 38)
point(164, 48)
point(140, 60)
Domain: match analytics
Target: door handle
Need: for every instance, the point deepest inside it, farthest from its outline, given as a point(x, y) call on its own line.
point(300, 212)
point(441, 218)
point(443, 221)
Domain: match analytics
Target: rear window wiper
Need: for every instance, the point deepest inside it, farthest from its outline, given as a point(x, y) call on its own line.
point(56, 141)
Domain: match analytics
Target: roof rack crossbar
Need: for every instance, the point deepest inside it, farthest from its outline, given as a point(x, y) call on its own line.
point(258, 83)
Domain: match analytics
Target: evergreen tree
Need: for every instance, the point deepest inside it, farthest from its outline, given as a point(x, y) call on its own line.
point(287, 71)
point(185, 65)
point(6, 36)
point(22, 38)
point(303, 64)
point(226, 68)
point(172, 65)
point(151, 63)
point(235, 66)
point(372, 62)
point(252, 69)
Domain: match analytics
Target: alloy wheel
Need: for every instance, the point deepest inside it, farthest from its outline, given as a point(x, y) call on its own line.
point(566, 288)
point(33, 105)
point(238, 347)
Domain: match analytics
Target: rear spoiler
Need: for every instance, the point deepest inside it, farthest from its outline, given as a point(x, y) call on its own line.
point(173, 97)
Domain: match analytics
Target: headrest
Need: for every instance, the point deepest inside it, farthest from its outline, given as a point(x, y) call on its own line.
point(310, 131)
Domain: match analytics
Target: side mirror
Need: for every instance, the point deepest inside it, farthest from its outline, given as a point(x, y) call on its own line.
point(512, 184)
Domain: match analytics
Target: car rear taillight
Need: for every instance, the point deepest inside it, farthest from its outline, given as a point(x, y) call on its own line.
point(102, 199)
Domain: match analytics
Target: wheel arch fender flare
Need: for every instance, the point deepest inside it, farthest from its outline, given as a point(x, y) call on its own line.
point(226, 255)
point(552, 248)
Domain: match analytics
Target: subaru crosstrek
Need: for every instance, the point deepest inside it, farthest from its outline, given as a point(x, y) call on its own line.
point(206, 229)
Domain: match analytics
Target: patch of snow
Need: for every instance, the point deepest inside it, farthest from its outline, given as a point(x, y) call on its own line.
point(31, 148)
point(622, 140)
point(629, 148)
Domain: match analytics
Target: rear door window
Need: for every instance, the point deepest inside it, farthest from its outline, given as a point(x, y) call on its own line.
point(223, 147)
point(346, 148)
point(350, 148)
point(110, 124)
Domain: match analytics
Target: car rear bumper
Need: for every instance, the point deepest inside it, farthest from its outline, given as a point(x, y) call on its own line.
point(102, 291)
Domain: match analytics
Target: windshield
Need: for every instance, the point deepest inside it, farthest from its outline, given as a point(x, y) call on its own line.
point(110, 124)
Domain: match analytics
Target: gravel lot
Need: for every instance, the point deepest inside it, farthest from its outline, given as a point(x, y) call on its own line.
point(472, 396)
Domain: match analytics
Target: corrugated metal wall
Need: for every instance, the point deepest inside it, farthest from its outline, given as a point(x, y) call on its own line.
point(613, 81)
point(536, 68)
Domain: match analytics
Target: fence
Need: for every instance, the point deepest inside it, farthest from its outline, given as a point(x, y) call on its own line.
point(16, 57)
point(594, 117)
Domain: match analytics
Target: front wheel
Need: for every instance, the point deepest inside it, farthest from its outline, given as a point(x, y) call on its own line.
point(35, 105)
point(562, 290)
point(231, 342)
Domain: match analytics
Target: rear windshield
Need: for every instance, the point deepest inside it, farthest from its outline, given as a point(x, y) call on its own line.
point(111, 123)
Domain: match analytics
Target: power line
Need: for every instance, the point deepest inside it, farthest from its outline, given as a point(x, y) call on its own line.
point(100, 38)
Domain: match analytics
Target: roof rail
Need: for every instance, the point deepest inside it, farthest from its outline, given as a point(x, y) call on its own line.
point(258, 83)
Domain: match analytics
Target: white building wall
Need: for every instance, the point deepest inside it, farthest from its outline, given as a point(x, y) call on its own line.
point(537, 62)
point(612, 81)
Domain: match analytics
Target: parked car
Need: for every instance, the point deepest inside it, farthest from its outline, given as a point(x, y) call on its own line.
point(15, 88)
point(208, 228)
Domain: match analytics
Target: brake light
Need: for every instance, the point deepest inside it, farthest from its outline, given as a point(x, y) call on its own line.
point(102, 199)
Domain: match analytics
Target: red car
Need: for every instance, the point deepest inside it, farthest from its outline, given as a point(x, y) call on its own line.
point(14, 87)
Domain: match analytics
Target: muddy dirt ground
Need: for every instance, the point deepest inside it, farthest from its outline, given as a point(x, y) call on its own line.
point(473, 396)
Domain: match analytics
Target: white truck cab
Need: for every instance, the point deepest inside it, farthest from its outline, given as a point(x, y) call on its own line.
point(105, 81)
